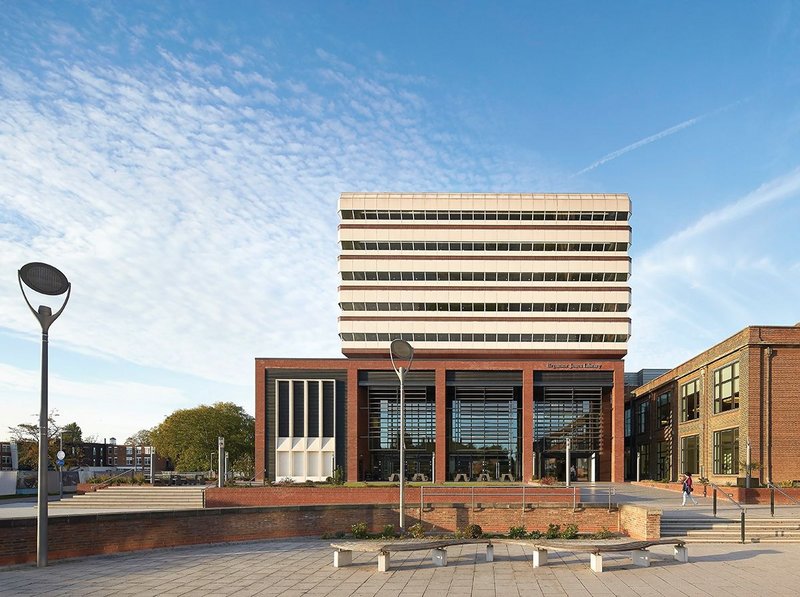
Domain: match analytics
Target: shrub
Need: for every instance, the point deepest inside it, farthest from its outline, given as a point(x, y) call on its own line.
point(417, 531)
point(286, 481)
point(547, 480)
point(570, 532)
point(473, 531)
point(337, 478)
point(604, 534)
point(388, 531)
point(553, 531)
point(517, 532)
point(359, 530)
point(535, 535)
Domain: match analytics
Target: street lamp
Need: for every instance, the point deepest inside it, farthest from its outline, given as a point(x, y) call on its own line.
point(402, 351)
point(43, 279)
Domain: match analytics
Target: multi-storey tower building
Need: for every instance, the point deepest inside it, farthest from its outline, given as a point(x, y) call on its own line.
point(484, 272)
point(517, 308)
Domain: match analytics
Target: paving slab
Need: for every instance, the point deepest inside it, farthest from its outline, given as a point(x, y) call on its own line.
point(304, 567)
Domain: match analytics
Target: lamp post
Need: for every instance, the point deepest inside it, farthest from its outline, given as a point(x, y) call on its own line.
point(44, 279)
point(402, 351)
point(569, 446)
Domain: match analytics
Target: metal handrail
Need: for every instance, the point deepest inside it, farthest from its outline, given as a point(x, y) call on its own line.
point(737, 504)
point(727, 495)
point(521, 491)
point(108, 481)
point(772, 485)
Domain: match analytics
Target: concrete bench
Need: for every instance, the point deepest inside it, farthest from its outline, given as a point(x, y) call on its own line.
point(343, 551)
point(637, 550)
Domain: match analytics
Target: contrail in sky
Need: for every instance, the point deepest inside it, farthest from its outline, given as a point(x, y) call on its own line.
point(647, 140)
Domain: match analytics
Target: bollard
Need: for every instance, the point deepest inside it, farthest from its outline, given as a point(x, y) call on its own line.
point(772, 501)
point(742, 526)
point(714, 502)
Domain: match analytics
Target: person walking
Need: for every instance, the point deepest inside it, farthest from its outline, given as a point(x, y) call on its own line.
point(688, 488)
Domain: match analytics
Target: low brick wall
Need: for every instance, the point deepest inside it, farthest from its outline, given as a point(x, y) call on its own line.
point(672, 486)
point(640, 522)
point(761, 495)
point(95, 534)
point(300, 495)
point(742, 495)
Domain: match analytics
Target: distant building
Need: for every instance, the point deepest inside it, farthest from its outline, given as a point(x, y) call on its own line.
point(517, 308)
point(103, 455)
point(700, 416)
point(8, 456)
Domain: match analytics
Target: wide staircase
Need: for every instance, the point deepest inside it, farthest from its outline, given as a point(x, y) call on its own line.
point(133, 497)
point(728, 530)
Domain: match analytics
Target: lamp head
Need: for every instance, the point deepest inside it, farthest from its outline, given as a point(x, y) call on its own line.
point(401, 349)
point(47, 280)
point(44, 278)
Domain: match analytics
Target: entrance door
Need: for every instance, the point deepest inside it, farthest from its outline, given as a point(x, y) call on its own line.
point(553, 466)
point(582, 466)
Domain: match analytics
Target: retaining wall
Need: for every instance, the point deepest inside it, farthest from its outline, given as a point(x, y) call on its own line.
point(94, 534)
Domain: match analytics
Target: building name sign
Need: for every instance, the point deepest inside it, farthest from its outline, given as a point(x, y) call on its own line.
point(573, 366)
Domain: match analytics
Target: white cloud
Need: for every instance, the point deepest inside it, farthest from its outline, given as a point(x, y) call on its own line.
point(198, 223)
point(106, 406)
point(717, 276)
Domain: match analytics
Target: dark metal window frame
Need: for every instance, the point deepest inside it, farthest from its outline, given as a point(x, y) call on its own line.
point(726, 391)
point(690, 400)
point(726, 443)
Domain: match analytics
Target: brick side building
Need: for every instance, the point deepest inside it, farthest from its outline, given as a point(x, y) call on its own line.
point(700, 416)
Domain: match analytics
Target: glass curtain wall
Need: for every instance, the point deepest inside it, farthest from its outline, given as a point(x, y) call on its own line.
point(384, 432)
point(566, 412)
point(484, 431)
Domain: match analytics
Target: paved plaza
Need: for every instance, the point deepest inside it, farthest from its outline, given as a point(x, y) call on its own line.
point(296, 567)
point(290, 568)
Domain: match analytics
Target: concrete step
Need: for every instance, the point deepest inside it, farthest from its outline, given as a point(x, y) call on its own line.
point(704, 530)
point(137, 497)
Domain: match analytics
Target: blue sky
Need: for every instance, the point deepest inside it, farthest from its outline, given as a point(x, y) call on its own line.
point(181, 163)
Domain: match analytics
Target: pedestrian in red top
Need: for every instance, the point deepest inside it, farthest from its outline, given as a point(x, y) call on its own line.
point(688, 488)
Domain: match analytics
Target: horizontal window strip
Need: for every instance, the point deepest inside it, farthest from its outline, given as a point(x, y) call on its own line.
point(404, 276)
point(385, 245)
point(606, 257)
point(574, 318)
point(623, 227)
point(484, 215)
point(487, 307)
point(521, 338)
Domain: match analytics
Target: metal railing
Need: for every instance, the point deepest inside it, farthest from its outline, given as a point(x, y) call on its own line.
point(772, 489)
point(743, 509)
point(108, 482)
point(525, 496)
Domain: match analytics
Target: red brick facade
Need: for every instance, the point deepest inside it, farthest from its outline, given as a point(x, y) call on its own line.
point(610, 458)
point(769, 403)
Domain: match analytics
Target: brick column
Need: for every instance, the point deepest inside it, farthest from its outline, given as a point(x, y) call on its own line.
point(441, 425)
point(351, 467)
point(527, 425)
point(261, 422)
point(618, 424)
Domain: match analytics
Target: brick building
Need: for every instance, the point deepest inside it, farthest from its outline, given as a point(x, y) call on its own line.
point(700, 416)
point(517, 308)
point(8, 456)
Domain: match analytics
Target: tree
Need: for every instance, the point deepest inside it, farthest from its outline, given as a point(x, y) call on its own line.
point(26, 436)
point(143, 437)
point(71, 441)
point(188, 437)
